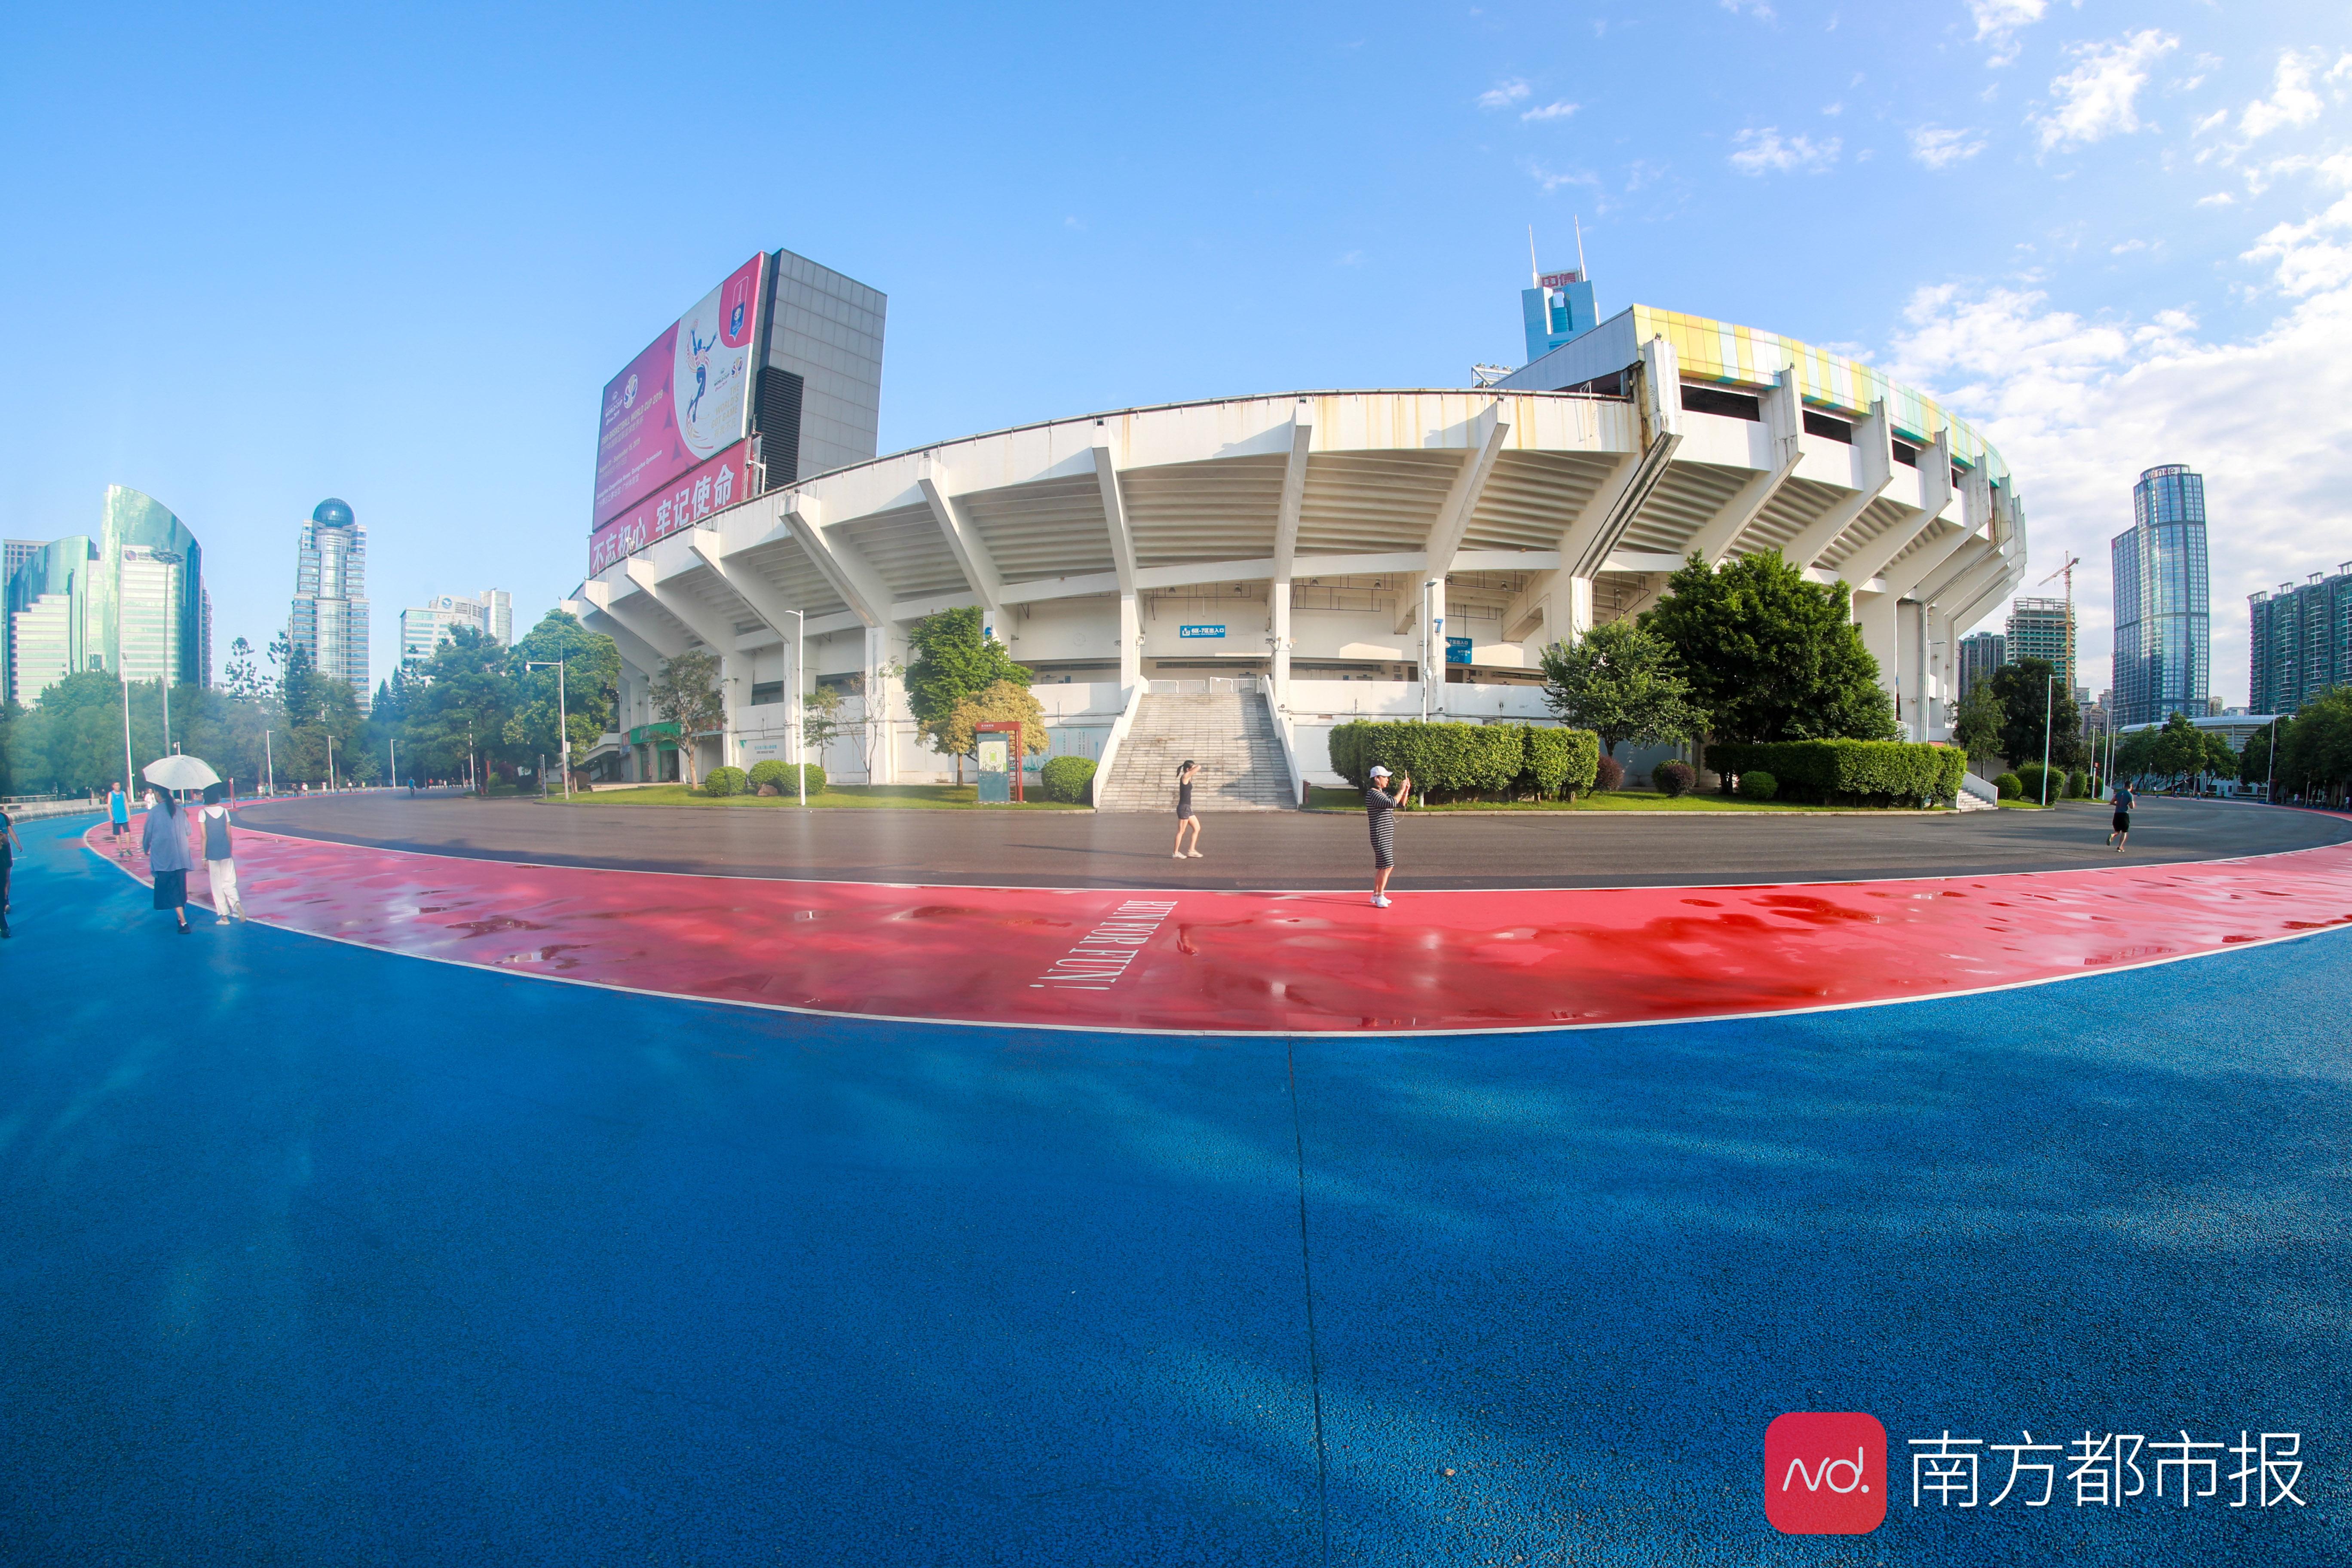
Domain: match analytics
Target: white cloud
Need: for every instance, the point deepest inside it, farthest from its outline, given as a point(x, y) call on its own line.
point(1938, 148)
point(2127, 246)
point(2079, 407)
point(2000, 21)
point(1832, 110)
point(1560, 111)
point(1552, 179)
point(2094, 101)
point(1503, 94)
point(2291, 101)
point(1760, 9)
point(2214, 120)
point(2218, 199)
point(1766, 152)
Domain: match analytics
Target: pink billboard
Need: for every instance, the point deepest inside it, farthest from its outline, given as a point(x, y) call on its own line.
point(683, 399)
point(685, 499)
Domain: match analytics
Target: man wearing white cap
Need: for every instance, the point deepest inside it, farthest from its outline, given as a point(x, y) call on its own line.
point(1381, 809)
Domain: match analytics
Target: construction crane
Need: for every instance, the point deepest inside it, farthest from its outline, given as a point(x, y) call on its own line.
point(2067, 572)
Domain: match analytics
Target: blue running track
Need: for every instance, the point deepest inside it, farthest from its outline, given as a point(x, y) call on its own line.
point(317, 1256)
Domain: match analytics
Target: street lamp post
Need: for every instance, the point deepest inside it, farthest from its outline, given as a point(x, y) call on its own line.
point(129, 779)
point(800, 704)
point(2269, 768)
point(330, 752)
point(562, 724)
point(269, 763)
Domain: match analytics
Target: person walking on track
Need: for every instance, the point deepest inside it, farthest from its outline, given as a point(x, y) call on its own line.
point(9, 849)
point(2122, 829)
point(169, 856)
point(1185, 821)
point(118, 812)
point(1380, 809)
point(220, 854)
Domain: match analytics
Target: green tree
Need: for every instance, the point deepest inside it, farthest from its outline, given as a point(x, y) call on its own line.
point(2027, 699)
point(1977, 722)
point(1771, 654)
point(319, 708)
point(686, 694)
point(2180, 749)
point(2316, 751)
point(457, 705)
point(590, 686)
point(242, 678)
point(2254, 761)
point(1620, 681)
point(954, 659)
point(1002, 703)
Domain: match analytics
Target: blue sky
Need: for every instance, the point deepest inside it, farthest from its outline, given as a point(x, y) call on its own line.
point(255, 257)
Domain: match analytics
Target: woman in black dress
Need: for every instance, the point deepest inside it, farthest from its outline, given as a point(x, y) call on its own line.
point(1185, 821)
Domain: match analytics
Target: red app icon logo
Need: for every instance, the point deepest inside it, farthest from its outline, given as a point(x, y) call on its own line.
point(1825, 1473)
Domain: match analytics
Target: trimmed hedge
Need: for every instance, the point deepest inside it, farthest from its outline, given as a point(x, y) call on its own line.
point(2006, 786)
point(1609, 773)
point(1758, 784)
point(2029, 782)
point(1674, 778)
point(1860, 773)
point(2078, 786)
point(1070, 779)
point(724, 781)
point(766, 774)
point(1454, 762)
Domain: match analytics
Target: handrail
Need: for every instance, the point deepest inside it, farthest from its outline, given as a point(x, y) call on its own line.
point(1281, 721)
point(1135, 695)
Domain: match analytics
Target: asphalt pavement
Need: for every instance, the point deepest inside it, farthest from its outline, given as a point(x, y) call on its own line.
point(1286, 850)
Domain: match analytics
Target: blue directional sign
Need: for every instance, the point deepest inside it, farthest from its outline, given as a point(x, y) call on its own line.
point(1200, 631)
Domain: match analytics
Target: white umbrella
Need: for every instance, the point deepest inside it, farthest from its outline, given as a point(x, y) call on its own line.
point(178, 771)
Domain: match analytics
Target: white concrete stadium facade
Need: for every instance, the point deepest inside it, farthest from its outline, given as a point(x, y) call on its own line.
point(1285, 542)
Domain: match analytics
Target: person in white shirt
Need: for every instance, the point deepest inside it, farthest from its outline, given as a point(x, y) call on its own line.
point(220, 854)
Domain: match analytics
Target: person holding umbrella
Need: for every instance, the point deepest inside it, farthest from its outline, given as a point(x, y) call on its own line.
point(165, 836)
point(170, 856)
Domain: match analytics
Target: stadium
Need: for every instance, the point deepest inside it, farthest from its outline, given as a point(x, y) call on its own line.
point(1249, 571)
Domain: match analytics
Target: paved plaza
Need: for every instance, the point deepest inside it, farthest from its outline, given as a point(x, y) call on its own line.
point(322, 1251)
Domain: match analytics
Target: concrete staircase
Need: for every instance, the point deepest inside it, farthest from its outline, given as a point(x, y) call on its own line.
point(1230, 734)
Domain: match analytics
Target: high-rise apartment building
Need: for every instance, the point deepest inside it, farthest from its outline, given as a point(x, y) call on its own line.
point(2043, 628)
point(2164, 624)
point(128, 600)
point(1982, 653)
point(14, 553)
point(2301, 641)
point(422, 626)
point(329, 617)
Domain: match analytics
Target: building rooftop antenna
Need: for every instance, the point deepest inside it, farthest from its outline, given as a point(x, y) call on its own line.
point(1535, 273)
point(1581, 272)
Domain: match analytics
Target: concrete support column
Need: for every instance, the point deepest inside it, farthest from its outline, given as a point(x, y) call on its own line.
point(882, 704)
point(1940, 658)
point(1130, 640)
point(1911, 668)
point(1577, 601)
point(1432, 645)
point(1279, 622)
point(1874, 613)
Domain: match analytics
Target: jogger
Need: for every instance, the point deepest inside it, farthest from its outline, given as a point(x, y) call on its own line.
point(2122, 829)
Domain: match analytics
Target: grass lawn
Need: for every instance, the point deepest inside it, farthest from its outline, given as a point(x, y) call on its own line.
point(1323, 799)
point(915, 797)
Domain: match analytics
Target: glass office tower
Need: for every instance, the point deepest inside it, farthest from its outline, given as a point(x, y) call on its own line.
point(2164, 624)
point(129, 601)
point(329, 617)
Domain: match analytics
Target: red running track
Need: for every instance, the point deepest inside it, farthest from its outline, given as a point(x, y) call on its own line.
point(1298, 963)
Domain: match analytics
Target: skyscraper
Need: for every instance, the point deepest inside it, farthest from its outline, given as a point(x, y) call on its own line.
point(422, 626)
point(1982, 653)
point(2043, 628)
point(2164, 624)
point(2301, 643)
point(329, 618)
point(129, 601)
point(1557, 308)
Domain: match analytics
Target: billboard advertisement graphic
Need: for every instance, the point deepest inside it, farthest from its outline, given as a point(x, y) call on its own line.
point(682, 400)
point(723, 481)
